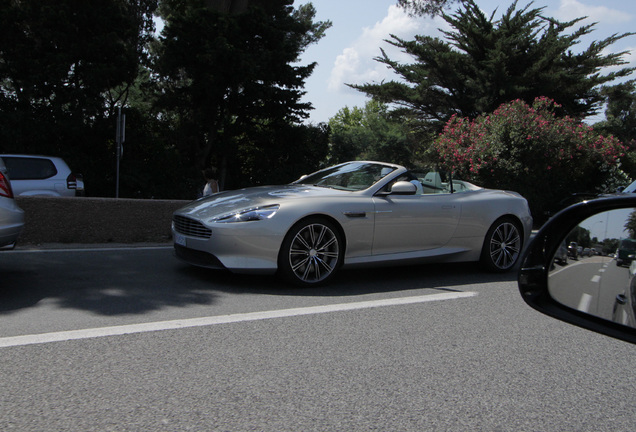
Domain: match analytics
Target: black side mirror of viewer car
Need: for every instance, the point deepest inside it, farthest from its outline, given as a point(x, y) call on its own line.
point(595, 290)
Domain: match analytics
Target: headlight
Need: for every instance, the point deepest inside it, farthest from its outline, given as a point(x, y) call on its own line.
point(251, 214)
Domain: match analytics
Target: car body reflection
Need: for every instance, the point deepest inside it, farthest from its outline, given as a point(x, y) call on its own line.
point(624, 312)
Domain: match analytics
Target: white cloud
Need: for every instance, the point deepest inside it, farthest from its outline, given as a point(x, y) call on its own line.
point(572, 9)
point(355, 65)
point(610, 21)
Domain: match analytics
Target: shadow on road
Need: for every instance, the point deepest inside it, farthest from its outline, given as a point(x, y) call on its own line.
point(351, 282)
point(104, 282)
point(120, 282)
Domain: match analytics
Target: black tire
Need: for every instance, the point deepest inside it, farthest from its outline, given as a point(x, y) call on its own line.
point(311, 253)
point(502, 245)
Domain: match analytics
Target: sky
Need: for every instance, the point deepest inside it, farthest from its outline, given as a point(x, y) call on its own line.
point(608, 225)
point(360, 27)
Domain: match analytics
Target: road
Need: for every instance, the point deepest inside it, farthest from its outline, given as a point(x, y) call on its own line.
point(592, 284)
point(132, 340)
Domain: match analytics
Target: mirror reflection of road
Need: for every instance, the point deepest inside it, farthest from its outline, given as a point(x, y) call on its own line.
point(590, 284)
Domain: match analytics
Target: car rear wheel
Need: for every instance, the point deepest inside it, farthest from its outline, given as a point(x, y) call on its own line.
point(502, 245)
point(311, 252)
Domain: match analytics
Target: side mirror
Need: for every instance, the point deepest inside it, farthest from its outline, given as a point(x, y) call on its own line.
point(403, 188)
point(595, 290)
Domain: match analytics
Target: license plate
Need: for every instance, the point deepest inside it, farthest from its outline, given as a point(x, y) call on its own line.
point(179, 239)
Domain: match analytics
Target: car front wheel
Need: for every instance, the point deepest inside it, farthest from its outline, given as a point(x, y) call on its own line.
point(311, 252)
point(502, 245)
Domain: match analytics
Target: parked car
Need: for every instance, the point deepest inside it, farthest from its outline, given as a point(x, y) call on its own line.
point(353, 214)
point(573, 250)
point(561, 256)
point(42, 176)
point(11, 216)
point(626, 252)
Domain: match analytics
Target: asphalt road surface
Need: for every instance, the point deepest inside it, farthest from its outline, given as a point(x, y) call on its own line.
point(124, 339)
point(591, 284)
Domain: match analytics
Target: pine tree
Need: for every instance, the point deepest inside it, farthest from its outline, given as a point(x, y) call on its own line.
point(486, 62)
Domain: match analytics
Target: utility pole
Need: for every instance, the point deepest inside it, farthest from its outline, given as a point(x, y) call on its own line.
point(120, 137)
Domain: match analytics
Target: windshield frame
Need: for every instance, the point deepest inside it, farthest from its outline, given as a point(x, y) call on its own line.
point(351, 176)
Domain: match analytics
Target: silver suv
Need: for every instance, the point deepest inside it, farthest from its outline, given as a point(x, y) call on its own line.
point(42, 175)
point(11, 216)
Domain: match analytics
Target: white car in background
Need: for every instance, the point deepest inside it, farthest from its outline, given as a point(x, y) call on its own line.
point(42, 176)
point(11, 216)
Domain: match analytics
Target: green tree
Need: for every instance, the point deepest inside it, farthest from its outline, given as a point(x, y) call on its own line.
point(630, 225)
point(620, 121)
point(486, 62)
point(425, 7)
point(530, 150)
point(579, 235)
point(610, 246)
point(282, 156)
point(64, 64)
point(370, 133)
point(231, 80)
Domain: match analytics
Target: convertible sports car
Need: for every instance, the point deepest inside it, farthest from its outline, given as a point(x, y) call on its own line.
point(352, 214)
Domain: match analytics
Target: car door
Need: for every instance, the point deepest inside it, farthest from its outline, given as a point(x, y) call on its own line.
point(408, 223)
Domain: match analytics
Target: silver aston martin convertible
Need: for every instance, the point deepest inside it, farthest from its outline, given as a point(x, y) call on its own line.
point(352, 214)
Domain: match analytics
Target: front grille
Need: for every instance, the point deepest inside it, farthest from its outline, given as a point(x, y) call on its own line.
point(190, 227)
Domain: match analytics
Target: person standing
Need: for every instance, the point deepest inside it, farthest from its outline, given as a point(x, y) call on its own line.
point(211, 183)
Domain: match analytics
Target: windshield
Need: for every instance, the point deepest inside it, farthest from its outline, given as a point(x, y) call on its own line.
point(628, 245)
point(631, 188)
point(351, 176)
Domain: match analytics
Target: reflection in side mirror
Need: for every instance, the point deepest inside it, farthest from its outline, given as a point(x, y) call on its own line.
point(599, 279)
point(580, 267)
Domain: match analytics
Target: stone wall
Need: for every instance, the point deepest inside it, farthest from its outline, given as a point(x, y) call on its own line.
point(96, 220)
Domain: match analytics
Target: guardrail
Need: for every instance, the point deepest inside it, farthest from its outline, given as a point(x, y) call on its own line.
point(96, 220)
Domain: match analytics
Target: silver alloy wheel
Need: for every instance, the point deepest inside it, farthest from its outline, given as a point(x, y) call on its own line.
point(504, 245)
point(314, 253)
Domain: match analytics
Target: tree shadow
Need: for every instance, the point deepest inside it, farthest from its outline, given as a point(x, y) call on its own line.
point(104, 282)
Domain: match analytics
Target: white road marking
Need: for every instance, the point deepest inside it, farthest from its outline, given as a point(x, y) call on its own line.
point(88, 249)
point(584, 303)
point(595, 279)
point(223, 319)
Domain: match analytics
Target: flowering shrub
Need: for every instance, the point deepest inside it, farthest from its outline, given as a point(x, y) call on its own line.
point(530, 150)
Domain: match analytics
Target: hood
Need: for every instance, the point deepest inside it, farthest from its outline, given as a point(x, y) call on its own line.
point(222, 203)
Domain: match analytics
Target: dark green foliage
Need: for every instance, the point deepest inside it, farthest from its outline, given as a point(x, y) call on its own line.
point(620, 121)
point(370, 134)
point(63, 65)
point(425, 7)
point(232, 81)
point(221, 88)
point(486, 62)
point(279, 156)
